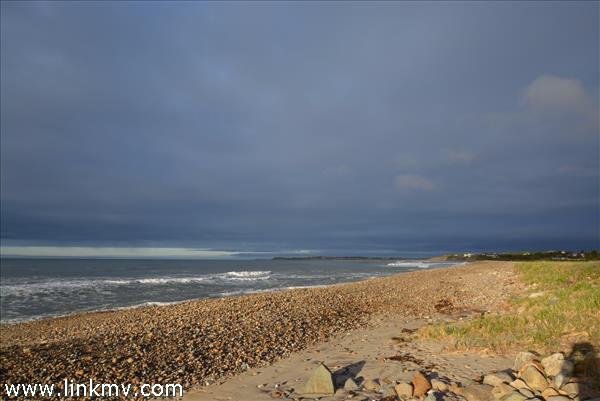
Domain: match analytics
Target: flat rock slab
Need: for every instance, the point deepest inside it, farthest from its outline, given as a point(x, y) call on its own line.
point(514, 396)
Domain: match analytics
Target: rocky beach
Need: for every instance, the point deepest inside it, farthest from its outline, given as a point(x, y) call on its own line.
point(300, 200)
point(198, 343)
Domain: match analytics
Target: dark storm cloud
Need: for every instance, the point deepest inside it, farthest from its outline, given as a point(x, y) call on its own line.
point(340, 127)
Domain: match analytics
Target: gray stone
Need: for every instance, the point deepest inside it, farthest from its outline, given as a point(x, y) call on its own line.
point(552, 364)
point(534, 378)
point(404, 390)
point(501, 390)
point(558, 398)
point(371, 385)
point(350, 384)
point(321, 382)
point(514, 396)
point(478, 392)
point(523, 358)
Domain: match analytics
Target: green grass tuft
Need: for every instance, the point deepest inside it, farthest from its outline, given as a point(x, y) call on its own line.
point(568, 308)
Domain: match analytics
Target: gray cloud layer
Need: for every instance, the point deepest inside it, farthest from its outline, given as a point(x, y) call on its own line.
point(341, 127)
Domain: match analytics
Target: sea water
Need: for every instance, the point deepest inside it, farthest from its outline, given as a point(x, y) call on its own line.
point(38, 288)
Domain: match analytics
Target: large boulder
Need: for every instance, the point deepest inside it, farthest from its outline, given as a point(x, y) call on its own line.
point(501, 390)
point(552, 364)
point(518, 384)
point(535, 379)
point(478, 392)
point(495, 379)
point(404, 390)
point(523, 358)
point(566, 371)
point(321, 382)
point(420, 385)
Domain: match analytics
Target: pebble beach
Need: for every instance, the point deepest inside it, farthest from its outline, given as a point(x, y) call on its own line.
point(200, 342)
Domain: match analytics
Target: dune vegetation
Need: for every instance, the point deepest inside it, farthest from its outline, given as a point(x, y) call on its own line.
point(560, 308)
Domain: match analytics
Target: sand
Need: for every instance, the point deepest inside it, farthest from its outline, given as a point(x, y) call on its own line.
point(223, 348)
point(366, 353)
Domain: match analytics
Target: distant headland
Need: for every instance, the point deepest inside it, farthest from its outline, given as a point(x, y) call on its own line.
point(341, 258)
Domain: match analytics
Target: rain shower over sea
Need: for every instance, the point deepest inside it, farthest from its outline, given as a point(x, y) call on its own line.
point(38, 288)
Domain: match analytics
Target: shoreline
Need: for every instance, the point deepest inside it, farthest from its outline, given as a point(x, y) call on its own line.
point(153, 304)
point(198, 341)
point(158, 304)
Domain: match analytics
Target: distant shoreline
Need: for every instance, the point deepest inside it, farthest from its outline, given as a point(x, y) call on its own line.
point(344, 258)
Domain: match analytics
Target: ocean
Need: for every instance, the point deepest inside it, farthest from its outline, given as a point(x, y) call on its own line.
point(38, 288)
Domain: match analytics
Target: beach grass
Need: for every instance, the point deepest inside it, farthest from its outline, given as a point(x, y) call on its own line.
point(560, 307)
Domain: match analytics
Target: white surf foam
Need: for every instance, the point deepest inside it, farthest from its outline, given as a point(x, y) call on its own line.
point(248, 275)
point(404, 263)
point(43, 286)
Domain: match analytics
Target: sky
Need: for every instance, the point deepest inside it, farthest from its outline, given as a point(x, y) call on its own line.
point(220, 128)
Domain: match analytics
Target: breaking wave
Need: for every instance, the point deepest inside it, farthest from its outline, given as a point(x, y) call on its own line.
point(42, 286)
point(248, 275)
point(419, 265)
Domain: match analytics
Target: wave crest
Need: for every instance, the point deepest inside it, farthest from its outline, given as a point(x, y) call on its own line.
point(99, 284)
point(248, 275)
point(420, 265)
